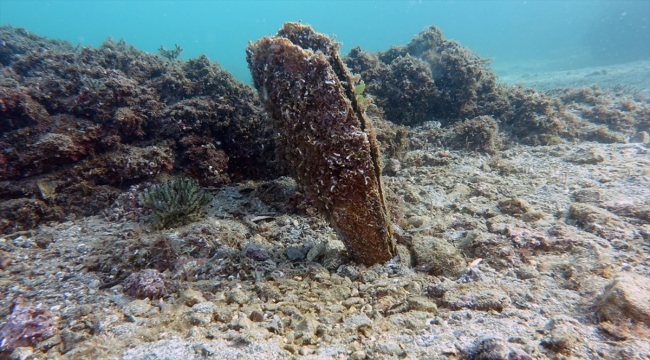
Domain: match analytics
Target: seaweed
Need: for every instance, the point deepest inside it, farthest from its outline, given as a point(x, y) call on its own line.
point(170, 54)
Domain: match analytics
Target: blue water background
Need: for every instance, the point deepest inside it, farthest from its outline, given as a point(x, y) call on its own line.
point(520, 35)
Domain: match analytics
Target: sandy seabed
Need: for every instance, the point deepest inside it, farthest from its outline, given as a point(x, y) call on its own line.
point(532, 252)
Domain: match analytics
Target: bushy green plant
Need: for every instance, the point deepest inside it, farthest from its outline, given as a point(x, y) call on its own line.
point(175, 202)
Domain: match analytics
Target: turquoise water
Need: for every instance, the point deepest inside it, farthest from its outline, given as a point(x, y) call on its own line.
point(540, 35)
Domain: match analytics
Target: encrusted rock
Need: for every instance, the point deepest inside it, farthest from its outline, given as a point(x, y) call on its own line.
point(237, 296)
point(563, 334)
point(191, 297)
point(358, 321)
point(438, 256)
point(494, 348)
point(626, 298)
point(147, 283)
point(586, 156)
point(422, 303)
point(137, 308)
point(476, 296)
point(601, 222)
point(201, 313)
point(26, 326)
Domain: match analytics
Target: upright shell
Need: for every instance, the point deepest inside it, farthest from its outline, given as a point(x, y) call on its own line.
point(324, 135)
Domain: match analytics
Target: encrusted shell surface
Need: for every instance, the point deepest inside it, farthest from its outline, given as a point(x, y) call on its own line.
point(324, 135)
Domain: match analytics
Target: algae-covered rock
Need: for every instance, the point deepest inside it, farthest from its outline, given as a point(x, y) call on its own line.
point(438, 257)
point(600, 222)
point(626, 298)
point(324, 135)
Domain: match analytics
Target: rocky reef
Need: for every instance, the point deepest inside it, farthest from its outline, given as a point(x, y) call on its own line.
point(435, 79)
point(80, 125)
point(324, 135)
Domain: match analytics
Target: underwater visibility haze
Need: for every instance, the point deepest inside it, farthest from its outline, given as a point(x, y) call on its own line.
point(537, 35)
point(324, 179)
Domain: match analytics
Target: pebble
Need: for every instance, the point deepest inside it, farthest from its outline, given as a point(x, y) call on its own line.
point(475, 296)
point(241, 322)
point(563, 334)
point(626, 298)
point(191, 297)
point(358, 321)
point(293, 253)
point(21, 353)
point(389, 348)
point(137, 308)
point(422, 303)
point(201, 314)
point(237, 296)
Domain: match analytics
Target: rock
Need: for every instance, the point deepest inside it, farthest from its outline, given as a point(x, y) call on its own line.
point(277, 193)
point(642, 137)
point(223, 315)
point(520, 208)
point(475, 296)
point(563, 334)
point(201, 313)
point(315, 251)
point(351, 301)
point(368, 276)
point(241, 322)
point(494, 348)
point(256, 253)
point(601, 222)
point(318, 273)
point(438, 256)
point(46, 345)
point(21, 353)
point(137, 308)
point(416, 221)
point(348, 271)
point(237, 296)
point(422, 303)
point(306, 329)
point(405, 256)
point(626, 298)
point(191, 297)
point(256, 316)
point(358, 321)
point(412, 196)
point(293, 253)
point(586, 156)
point(526, 272)
point(76, 312)
point(147, 283)
point(335, 293)
point(498, 224)
point(26, 326)
point(391, 167)
point(335, 254)
point(389, 348)
point(266, 291)
point(71, 338)
point(588, 196)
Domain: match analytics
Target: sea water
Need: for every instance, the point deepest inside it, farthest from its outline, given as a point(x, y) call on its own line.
point(527, 35)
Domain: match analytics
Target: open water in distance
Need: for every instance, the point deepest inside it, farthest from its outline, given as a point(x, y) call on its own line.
point(541, 35)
